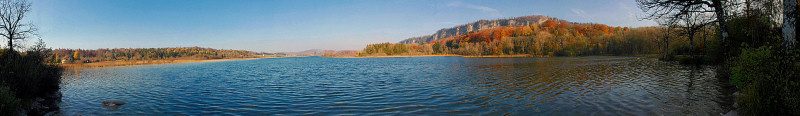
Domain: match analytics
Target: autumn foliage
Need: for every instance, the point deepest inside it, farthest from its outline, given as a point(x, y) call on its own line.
point(549, 38)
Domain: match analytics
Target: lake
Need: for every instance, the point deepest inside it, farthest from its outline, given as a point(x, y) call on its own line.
point(597, 85)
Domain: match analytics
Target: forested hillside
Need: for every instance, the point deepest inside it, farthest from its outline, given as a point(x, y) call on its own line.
point(550, 38)
point(477, 26)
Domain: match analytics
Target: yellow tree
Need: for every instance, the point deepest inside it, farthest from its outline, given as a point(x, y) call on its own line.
point(76, 55)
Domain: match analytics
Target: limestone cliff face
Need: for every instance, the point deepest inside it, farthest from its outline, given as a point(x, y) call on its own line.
point(479, 25)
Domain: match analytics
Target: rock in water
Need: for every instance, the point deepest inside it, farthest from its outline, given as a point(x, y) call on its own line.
point(113, 103)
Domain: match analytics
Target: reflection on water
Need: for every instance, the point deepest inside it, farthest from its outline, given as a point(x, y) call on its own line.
point(420, 85)
point(594, 86)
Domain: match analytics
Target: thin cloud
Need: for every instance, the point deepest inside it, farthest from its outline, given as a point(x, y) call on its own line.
point(630, 12)
point(494, 12)
point(581, 13)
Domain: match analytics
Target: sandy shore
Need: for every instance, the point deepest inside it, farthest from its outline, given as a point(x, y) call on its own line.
point(146, 62)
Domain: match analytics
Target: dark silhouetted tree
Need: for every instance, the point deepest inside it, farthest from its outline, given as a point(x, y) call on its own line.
point(12, 28)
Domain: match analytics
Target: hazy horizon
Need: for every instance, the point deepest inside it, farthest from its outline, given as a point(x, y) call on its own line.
point(289, 26)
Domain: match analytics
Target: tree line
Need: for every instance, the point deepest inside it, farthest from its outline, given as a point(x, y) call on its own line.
point(81, 55)
point(550, 38)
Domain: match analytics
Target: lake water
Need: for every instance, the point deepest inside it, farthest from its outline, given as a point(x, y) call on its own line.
point(400, 86)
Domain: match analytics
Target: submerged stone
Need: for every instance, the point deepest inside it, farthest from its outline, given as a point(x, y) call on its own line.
point(113, 103)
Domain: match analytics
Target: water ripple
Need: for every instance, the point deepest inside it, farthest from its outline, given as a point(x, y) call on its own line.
point(400, 86)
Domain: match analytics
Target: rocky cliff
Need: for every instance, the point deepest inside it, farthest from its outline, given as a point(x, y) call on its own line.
point(479, 25)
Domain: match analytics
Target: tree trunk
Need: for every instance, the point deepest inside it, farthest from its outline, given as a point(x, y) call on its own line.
point(10, 45)
point(723, 28)
point(666, 44)
point(789, 20)
point(11, 42)
point(691, 44)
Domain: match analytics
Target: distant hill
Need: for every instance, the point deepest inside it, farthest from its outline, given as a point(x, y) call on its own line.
point(310, 52)
point(536, 36)
point(479, 25)
point(321, 52)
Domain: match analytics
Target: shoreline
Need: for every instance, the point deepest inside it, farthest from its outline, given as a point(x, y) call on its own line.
point(146, 62)
point(502, 56)
point(490, 56)
point(485, 56)
point(390, 56)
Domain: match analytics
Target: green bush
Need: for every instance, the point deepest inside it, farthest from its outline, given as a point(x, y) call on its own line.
point(768, 86)
point(752, 63)
point(8, 103)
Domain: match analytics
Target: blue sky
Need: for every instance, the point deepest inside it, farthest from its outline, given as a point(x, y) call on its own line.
point(289, 25)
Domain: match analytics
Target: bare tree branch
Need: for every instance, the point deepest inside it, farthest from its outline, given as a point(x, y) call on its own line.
point(12, 13)
point(692, 15)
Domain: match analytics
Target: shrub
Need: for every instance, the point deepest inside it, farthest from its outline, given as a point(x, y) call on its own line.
point(752, 63)
point(8, 103)
point(768, 86)
point(29, 75)
point(25, 76)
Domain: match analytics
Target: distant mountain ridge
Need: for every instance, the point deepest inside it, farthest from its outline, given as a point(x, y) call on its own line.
point(479, 25)
point(310, 52)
